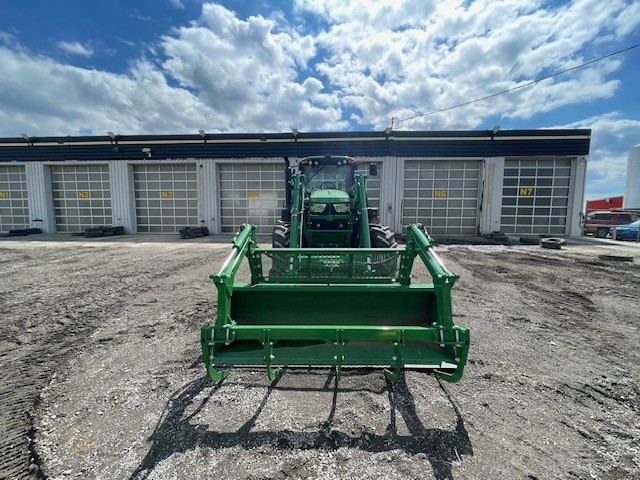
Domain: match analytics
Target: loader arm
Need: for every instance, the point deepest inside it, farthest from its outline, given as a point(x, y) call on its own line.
point(365, 240)
point(297, 209)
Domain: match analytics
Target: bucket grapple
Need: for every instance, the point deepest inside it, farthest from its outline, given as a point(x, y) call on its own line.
point(335, 307)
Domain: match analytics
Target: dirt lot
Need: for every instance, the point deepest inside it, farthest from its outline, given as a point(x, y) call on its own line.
point(100, 375)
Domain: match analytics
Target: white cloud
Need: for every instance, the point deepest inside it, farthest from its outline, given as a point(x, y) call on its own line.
point(247, 72)
point(370, 14)
point(366, 62)
point(611, 138)
point(233, 75)
point(454, 51)
point(75, 48)
point(77, 99)
point(177, 4)
point(126, 42)
point(6, 37)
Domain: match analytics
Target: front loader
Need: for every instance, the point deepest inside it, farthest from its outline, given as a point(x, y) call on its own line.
point(332, 290)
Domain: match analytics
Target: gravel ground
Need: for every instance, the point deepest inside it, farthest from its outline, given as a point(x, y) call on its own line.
point(100, 375)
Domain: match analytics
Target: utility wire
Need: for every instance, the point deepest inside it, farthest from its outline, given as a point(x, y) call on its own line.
point(399, 121)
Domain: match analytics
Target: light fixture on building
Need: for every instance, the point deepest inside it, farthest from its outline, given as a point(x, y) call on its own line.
point(388, 130)
point(112, 135)
point(147, 151)
point(295, 132)
point(29, 139)
point(496, 129)
point(202, 134)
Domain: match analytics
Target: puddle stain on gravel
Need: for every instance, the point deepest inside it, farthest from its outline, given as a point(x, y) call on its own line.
point(175, 432)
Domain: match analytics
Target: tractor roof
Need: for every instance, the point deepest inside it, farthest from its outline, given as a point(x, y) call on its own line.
point(327, 160)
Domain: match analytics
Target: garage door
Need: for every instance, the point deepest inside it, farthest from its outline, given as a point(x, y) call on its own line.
point(442, 195)
point(14, 209)
point(251, 193)
point(81, 196)
point(535, 195)
point(166, 197)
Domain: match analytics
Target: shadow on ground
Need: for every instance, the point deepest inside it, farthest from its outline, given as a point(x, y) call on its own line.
point(175, 433)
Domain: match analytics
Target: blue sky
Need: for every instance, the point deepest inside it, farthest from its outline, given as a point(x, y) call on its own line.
point(176, 66)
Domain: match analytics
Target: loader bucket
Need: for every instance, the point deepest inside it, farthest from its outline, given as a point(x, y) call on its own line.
point(335, 307)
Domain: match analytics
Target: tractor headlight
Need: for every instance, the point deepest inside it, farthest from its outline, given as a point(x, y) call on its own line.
point(341, 207)
point(317, 207)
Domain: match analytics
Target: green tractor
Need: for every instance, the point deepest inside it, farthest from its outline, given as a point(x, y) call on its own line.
point(326, 207)
point(334, 290)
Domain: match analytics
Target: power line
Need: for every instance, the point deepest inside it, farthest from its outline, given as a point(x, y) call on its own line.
point(537, 80)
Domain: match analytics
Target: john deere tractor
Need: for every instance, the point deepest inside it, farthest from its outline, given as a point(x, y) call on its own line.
point(335, 290)
point(326, 206)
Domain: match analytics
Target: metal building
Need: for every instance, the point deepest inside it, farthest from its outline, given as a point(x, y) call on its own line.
point(632, 184)
point(453, 182)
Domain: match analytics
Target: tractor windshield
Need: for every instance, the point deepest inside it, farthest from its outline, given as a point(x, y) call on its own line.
point(339, 177)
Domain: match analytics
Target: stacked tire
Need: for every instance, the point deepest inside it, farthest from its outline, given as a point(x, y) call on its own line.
point(23, 232)
point(104, 231)
point(498, 236)
point(193, 232)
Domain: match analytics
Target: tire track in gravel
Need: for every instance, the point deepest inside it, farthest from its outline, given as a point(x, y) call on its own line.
point(49, 317)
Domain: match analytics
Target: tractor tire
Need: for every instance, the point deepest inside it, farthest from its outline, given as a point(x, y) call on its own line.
point(281, 239)
point(602, 232)
point(382, 237)
point(552, 243)
point(281, 235)
point(616, 257)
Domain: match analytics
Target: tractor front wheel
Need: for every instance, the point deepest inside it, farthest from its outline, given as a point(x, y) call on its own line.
point(382, 237)
point(281, 235)
point(281, 239)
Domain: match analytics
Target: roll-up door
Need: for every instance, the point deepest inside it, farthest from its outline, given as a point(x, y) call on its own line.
point(535, 195)
point(166, 197)
point(14, 206)
point(251, 193)
point(81, 196)
point(442, 195)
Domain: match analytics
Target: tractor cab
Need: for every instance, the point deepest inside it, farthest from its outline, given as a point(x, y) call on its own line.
point(330, 172)
point(329, 183)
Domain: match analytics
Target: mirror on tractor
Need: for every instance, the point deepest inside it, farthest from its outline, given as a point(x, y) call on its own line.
point(373, 169)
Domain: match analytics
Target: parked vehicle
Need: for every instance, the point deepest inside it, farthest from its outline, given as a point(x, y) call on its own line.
point(599, 223)
point(628, 232)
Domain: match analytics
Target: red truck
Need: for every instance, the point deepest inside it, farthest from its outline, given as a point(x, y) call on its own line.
point(599, 223)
